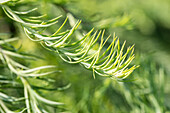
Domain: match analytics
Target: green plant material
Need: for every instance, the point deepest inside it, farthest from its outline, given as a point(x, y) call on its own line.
point(146, 94)
point(108, 61)
point(33, 100)
point(8, 1)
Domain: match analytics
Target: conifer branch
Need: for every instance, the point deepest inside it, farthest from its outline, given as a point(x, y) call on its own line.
point(110, 61)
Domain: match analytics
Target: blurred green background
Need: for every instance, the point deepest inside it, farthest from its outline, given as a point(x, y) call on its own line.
point(145, 23)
